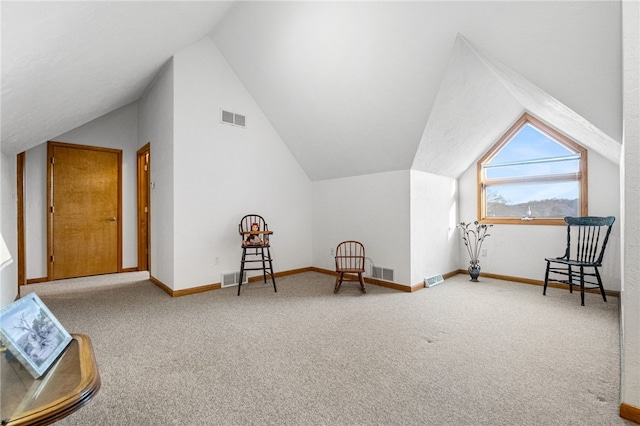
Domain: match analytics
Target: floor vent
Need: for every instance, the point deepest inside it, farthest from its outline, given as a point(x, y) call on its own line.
point(382, 273)
point(232, 118)
point(432, 281)
point(230, 279)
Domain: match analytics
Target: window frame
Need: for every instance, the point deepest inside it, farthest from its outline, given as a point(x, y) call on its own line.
point(581, 177)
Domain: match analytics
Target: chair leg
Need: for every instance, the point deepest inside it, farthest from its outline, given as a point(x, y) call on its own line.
point(582, 285)
point(241, 278)
point(604, 296)
point(361, 282)
point(273, 278)
point(570, 279)
point(338, 282)
point(546, 279)
point(264, 265)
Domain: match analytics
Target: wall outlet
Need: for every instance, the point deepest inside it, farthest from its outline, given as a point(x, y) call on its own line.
point(216, 261)
point(333, 252)
point(484, 253)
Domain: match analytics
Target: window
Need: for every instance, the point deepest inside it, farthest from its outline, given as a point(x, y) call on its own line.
point(532, 175)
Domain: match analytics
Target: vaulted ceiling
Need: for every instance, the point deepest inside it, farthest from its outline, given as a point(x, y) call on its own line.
point(351, 87)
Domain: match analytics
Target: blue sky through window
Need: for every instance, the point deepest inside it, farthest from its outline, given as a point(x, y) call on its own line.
point(531, 153)
point(530, 144)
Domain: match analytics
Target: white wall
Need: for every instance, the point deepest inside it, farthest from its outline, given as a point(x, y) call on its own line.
point(630, 295)
point(205, 175)
point(519, 250)
point(117, 130)
point(35, 211)
point(8, 228)
point(222, 172)
point(434, 214)
point(155, 125)
point(372, 209)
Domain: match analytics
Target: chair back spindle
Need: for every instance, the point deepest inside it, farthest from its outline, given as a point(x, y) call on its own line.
point(350, 255)
point(247, 221)
point(591, 238)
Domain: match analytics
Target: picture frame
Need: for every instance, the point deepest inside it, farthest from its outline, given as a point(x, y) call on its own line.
point(32, 334)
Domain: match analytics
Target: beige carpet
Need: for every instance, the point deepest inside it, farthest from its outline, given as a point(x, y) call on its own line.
point(461, 353)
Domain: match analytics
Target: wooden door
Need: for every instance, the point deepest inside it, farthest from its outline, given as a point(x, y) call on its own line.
point(144, 181)
point(84, 200)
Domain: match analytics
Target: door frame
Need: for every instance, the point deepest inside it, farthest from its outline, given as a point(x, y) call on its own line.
point(22, 258)
point(50, 183)
point(144, 207)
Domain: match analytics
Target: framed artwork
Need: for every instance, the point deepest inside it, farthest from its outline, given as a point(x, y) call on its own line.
point(32, 334)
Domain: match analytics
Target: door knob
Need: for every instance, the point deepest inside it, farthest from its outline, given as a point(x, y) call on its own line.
point(112, 218)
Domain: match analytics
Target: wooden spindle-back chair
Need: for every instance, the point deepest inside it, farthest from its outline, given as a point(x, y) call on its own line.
point(587, 238)
point(349, 264)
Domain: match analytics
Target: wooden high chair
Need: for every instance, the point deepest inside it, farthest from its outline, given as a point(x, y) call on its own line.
point(255, 248)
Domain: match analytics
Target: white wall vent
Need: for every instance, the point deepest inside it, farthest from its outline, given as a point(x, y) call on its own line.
point(382, 273)
point(228, 117)
point(434, 280)
point(230, 279)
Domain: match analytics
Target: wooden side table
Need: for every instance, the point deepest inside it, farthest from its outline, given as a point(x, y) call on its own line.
point(66, 387)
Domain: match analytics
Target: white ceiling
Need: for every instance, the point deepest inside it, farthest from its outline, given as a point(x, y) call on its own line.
point(488, 98)
point(349, 86)
point(67, 63)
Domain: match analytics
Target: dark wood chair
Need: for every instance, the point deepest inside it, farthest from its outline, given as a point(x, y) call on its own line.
point(349, 264)
point(587, 239)
point(256, 253)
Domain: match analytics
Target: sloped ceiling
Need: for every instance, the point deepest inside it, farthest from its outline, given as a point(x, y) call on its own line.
point(67, 63)
point(351, 87)
point(488, 98)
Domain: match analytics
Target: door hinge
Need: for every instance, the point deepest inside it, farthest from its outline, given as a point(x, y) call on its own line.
point(52, 161)
point(52, 209)
point(52, 258)
point(145, 167)
point(146, 209)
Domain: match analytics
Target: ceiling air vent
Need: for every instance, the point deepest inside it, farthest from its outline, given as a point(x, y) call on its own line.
point(239, 120)
point(228, 117)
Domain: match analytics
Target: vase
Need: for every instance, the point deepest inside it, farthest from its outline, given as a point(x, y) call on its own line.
point(474, 272)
